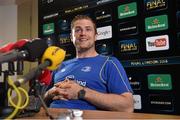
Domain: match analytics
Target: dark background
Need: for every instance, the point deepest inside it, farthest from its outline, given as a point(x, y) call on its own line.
point(110, 46)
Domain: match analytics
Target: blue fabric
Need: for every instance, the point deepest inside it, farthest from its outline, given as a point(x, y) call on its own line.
point(100, 73)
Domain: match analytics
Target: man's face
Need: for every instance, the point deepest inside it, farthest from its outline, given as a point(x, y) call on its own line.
point(83, 35)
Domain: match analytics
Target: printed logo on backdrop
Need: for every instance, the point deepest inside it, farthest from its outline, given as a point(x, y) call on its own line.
point(137, 102)
point(104, 49)
point(51, 16)
point(48, 28)
point(178, 39)
point(99, 2)
point(159, 82)
point(64, 25)
point(75, 9)
point(130, 46)
point(47, 1)
point(151, 61)
point(161, 102)
point(70, 50)
point(156, 23)
point(152, 5)
point(127, 10)
point(50, 39)
point(103, 15)
point(178, 18)
point(128, 28)
point(64, 38)
point(134, 82)
point(157, 43)
point(104, 32)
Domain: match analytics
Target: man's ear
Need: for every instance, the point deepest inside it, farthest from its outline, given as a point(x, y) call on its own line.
point(71, 37)
point(96, 36)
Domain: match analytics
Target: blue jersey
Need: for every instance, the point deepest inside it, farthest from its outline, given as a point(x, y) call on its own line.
point(101, 73)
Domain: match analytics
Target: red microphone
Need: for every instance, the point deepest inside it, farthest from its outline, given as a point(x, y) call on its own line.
point(45, 77)
point(10, 46)
point(6, 48)
point(20, 43)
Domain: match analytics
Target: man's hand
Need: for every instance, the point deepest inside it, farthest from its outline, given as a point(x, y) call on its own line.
point(65, 90)
point(69, 89)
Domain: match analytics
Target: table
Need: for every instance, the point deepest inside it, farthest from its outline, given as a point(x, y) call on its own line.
point(94, 114)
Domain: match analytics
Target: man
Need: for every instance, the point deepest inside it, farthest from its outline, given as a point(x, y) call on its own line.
point(90, 81)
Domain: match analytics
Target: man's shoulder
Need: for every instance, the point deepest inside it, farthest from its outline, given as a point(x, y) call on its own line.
point(69, 61)
point(109, 58)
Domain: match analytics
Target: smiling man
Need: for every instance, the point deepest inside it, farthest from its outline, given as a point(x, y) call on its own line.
point(90, 81)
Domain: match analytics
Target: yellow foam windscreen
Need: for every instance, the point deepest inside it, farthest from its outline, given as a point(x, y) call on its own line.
point(55, 55)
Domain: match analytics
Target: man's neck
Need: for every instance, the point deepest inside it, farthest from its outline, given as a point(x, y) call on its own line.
point(86, 54)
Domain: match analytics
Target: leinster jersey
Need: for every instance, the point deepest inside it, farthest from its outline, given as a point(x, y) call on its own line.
point(100, 73)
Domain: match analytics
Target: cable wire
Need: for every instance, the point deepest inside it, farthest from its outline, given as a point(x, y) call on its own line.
point(19, 102)
point(12, 103)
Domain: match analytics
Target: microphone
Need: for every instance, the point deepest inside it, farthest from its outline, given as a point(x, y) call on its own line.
point(44, 80)
point(20, 43)
point(52, 58)
point(45, 77)
point(10, 46)
point(30, 51)
point(20, 67)
point(6, 48)
point(35, 90)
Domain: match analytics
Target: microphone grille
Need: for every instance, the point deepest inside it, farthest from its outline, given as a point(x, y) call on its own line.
point(35, 49)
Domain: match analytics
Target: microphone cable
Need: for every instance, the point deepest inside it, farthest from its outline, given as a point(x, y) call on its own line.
point(19, 102)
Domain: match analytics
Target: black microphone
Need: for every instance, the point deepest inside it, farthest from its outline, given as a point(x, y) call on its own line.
point(0, 69)
point(52, 58)
point(31, 51)
point(35, 49)
point(20, 67)
point(13, 55)
point(11, 68)
point(38, 89)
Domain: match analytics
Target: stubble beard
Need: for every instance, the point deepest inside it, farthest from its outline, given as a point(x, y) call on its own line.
point(80, 49)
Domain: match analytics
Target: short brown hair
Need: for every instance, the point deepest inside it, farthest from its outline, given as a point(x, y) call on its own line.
point(80, 17)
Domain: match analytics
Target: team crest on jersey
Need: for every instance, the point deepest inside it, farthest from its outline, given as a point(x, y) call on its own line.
point(86, 69)
point(63, 70)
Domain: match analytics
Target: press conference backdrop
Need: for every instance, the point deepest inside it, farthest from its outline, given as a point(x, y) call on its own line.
point(143, 34)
